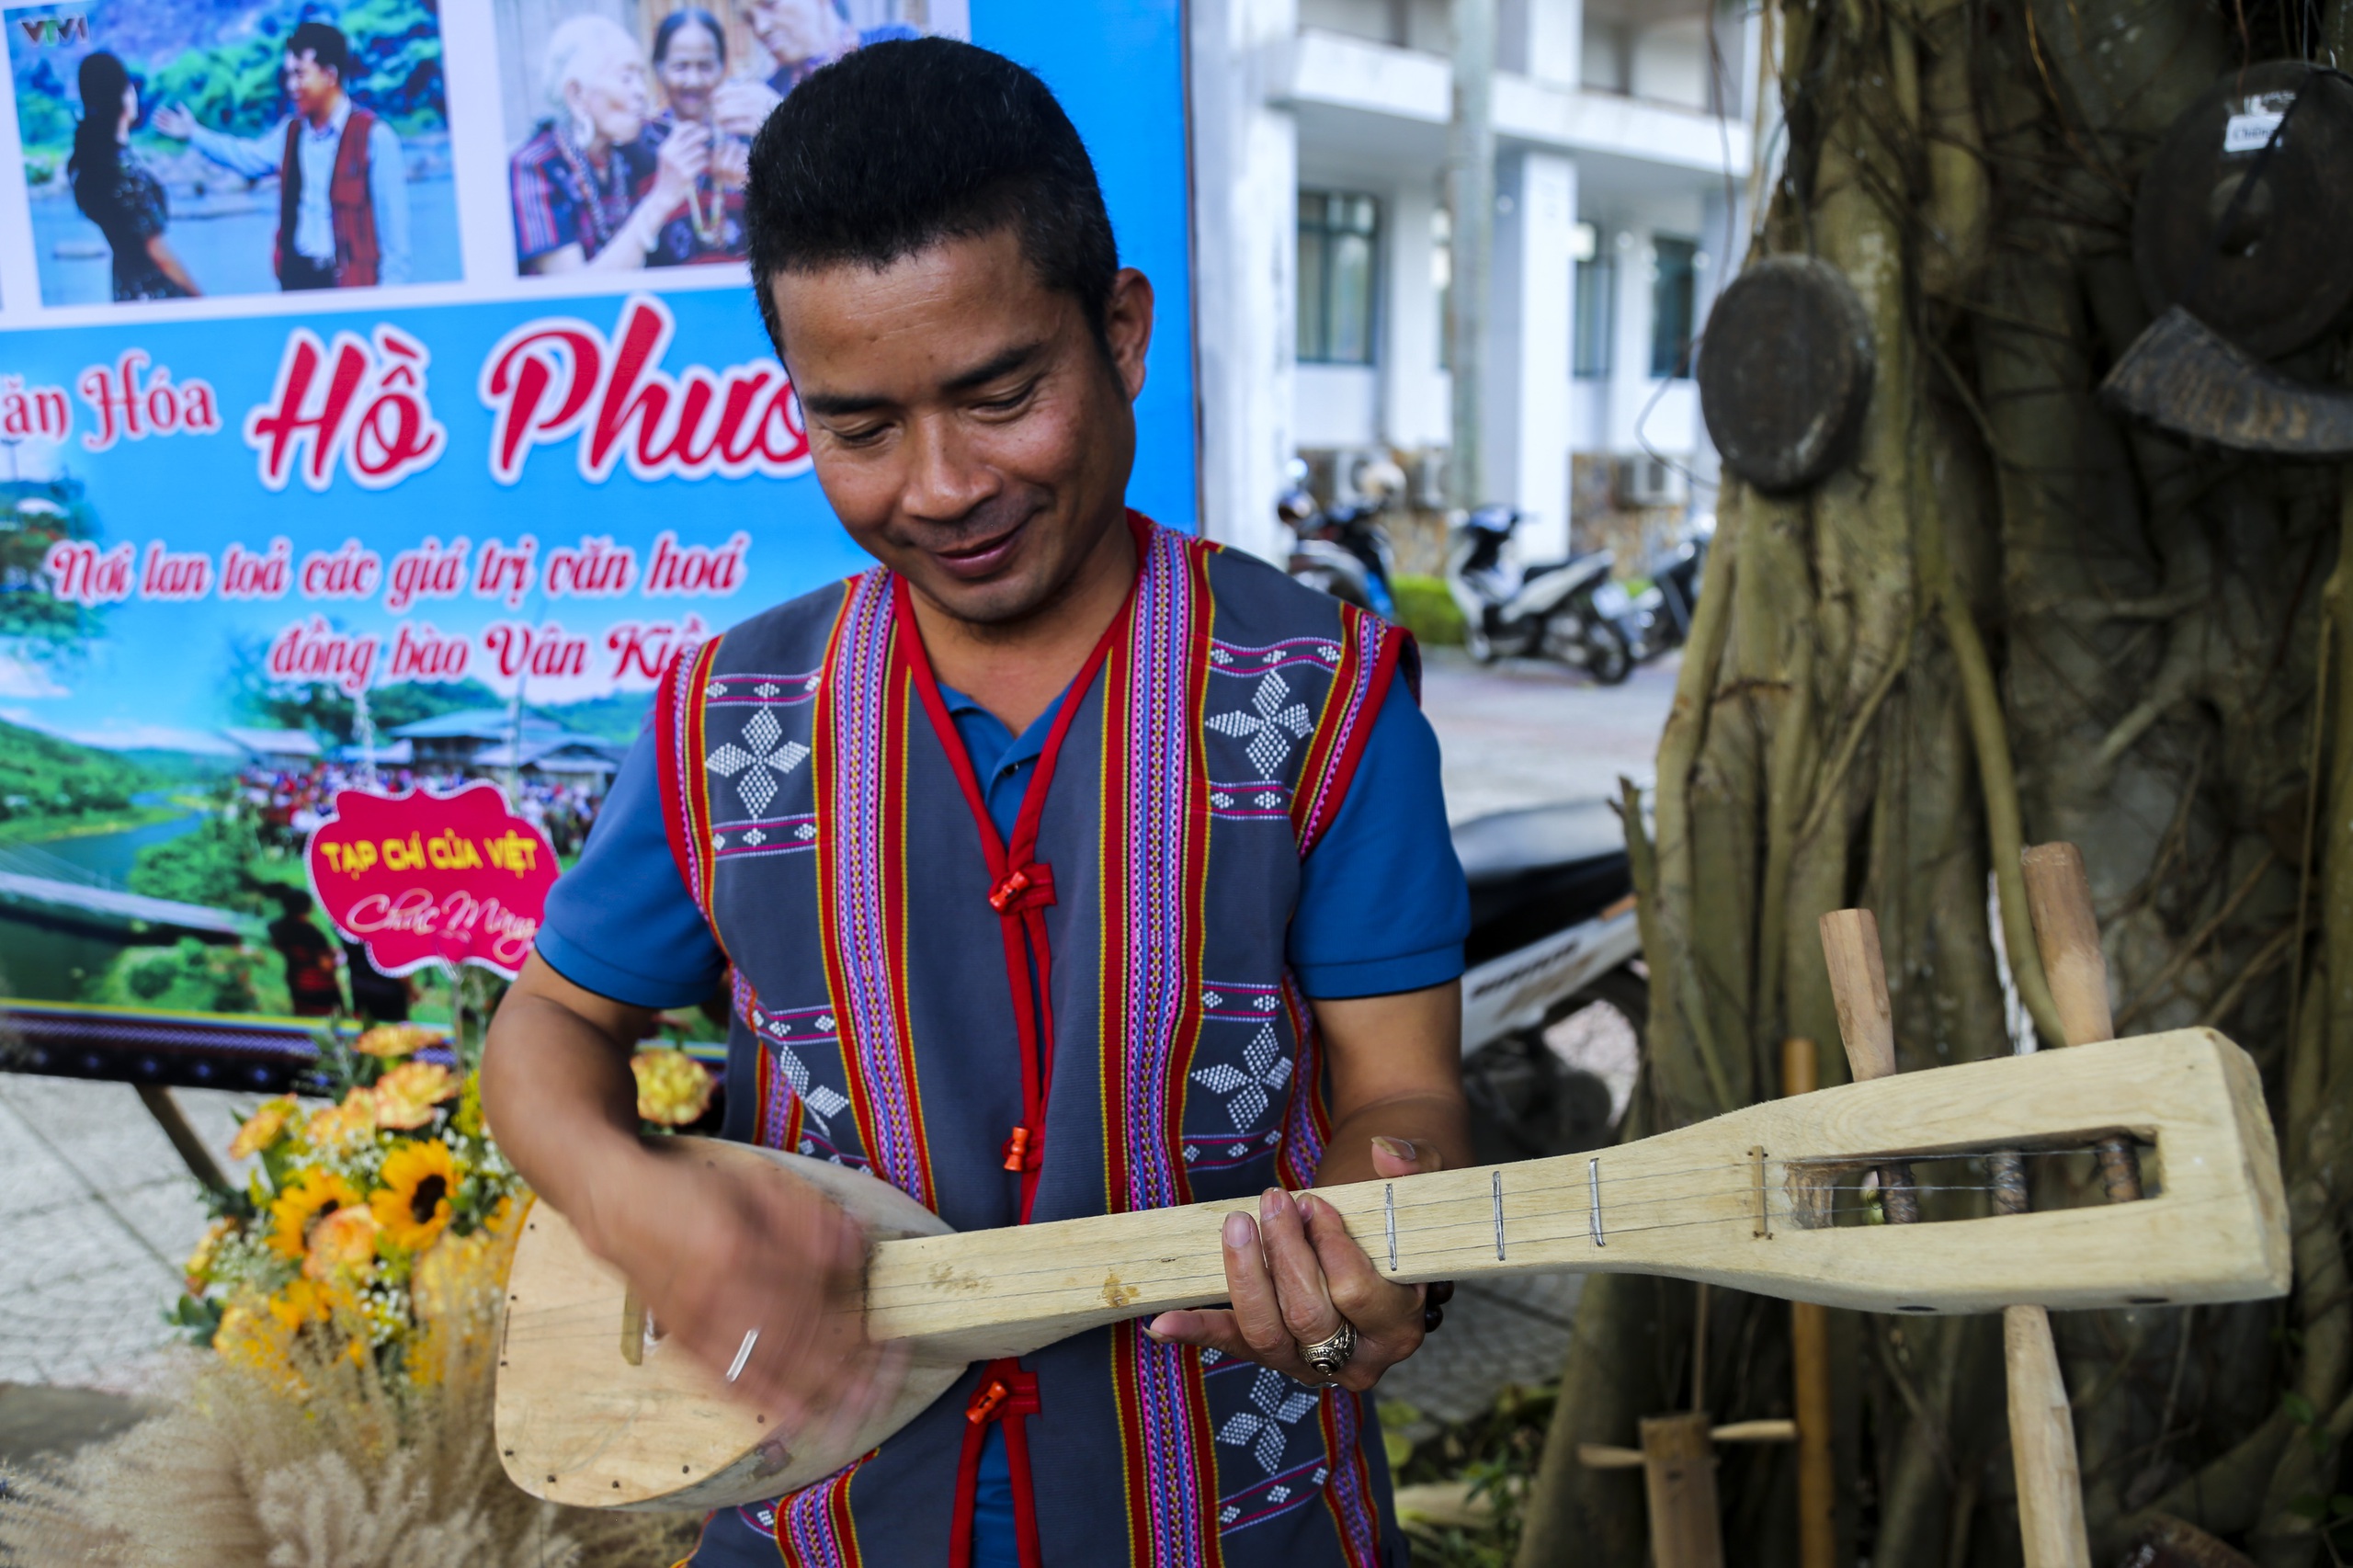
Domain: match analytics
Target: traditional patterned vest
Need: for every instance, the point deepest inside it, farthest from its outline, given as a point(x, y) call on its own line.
point(826, 817)
point(351, 203)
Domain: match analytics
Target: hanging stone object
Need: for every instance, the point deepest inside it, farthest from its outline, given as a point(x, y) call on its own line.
point(2268, 270)
point(1785, 371)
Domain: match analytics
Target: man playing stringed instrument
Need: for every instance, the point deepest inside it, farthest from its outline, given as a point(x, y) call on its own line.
point(1060, 865)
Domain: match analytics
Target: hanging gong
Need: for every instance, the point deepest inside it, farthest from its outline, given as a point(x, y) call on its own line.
point(1785, 370)
point(2268, 271)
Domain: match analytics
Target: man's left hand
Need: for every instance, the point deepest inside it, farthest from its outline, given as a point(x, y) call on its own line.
point(1296, 1275)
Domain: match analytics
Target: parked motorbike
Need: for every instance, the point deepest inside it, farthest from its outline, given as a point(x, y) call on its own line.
point(1553, 930)
point(1340, 550)
point(1568, 610)
point(1663, 611)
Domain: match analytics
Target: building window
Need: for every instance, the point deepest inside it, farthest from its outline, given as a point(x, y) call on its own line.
point(1338, 234)
point(1674, 276)
point(1593, 331)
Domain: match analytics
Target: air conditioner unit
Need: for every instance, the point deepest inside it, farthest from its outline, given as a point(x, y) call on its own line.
point(1646, 481)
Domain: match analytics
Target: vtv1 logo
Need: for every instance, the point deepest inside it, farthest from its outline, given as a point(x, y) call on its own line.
point(48, 32)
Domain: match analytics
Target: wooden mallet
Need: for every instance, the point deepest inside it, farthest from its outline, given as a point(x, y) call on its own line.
point(2042, 1437)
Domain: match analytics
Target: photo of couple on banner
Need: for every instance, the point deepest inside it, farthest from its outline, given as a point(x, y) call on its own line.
point(129, 125)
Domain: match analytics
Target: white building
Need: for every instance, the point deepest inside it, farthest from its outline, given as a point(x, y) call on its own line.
point(1623, 146)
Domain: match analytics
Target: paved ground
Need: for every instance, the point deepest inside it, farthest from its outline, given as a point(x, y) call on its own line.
point(96, 1215)
point(1523, 732)
point(96, 1211)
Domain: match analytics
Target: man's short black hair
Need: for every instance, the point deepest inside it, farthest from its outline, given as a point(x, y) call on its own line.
point(323, 43)
point(905, 143)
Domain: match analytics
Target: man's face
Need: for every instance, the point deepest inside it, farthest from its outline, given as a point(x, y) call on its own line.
point(793, 29)
point(965, 425)
point(312, 86)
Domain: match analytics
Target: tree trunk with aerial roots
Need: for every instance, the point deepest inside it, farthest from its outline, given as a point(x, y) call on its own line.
point(2010, 618)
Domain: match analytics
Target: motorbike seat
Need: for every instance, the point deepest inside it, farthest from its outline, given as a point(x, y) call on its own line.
point(1539, 870)
point(1573, 563)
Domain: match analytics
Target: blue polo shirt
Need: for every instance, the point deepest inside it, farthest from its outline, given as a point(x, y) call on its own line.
point(1381, 901)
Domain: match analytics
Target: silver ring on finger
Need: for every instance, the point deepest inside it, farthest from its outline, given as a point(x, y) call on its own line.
point(1325, 1358)
point(743, 1355)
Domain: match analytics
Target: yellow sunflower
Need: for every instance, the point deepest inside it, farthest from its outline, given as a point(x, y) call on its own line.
point(406, 1096)
point(355, 1118)
point(342, 1245)
point(262, 1129)
point(413, 1205)
point(397, 1040)
point(301, 1301)
point(673, 1088)
point(314, 1195)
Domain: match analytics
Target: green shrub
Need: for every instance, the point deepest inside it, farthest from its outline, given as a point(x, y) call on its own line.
point(1427, 610)
point(193, 976)
point(208, 865)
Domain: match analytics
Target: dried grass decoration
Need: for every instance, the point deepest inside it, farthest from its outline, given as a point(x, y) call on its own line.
point(350, 1295)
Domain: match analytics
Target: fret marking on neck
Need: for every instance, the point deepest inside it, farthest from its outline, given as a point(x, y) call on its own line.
point(1593, 1209)
point(1499, 1216)
point(1389, 1219)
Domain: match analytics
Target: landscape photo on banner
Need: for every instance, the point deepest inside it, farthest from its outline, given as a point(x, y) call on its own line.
point(260, 544)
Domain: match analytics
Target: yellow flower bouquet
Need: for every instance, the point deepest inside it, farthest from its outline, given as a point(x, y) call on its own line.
point(372, 1223)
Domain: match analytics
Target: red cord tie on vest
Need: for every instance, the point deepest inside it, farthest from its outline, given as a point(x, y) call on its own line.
point(1005, 1393)
point(1025, 887)
point(985, 1400)
point(1024, 1150)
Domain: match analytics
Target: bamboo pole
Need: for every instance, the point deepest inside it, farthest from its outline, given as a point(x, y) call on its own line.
point(1810, 1374)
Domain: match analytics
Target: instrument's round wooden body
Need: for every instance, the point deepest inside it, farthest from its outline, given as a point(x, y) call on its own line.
point(595, 1412)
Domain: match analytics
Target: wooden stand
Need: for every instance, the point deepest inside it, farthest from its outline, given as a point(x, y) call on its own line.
point(1677, 1459)
point(166, 1111)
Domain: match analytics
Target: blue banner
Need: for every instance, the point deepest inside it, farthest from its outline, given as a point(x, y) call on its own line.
point(446, 517)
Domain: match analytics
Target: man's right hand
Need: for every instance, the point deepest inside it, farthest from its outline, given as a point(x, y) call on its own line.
point(719, 1251)
point(714, 1251)
point(172, 120)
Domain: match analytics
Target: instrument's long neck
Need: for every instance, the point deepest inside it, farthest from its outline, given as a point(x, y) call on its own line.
point(1000, 1292)
point(1744, 1200)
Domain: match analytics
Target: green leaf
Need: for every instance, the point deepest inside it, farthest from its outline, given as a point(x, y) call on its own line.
point(199, 1316)
point(2311, 1506)
point(2299, 1408)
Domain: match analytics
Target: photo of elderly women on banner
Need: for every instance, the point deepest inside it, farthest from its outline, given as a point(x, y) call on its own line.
point(631, 120)
point(180, 147)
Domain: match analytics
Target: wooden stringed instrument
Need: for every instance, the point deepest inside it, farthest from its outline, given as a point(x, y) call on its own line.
point(595, 1410)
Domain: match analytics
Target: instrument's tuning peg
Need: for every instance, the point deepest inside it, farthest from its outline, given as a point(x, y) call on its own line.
point(1867, 1025)
point(1858, 989)
point(2066, 932)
